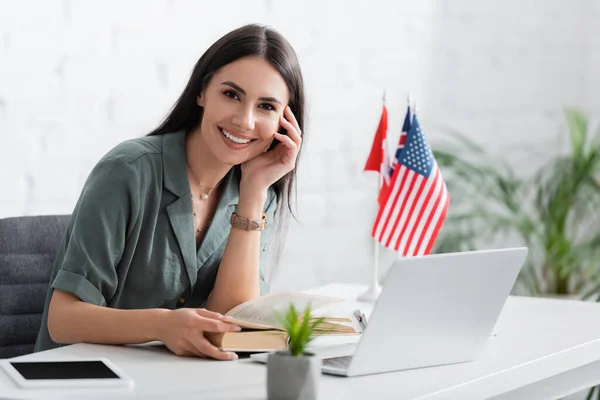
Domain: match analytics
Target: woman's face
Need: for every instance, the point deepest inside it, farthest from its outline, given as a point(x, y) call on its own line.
point(242, 106)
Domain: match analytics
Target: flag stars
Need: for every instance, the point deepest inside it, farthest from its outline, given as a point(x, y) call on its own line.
point(417, 153)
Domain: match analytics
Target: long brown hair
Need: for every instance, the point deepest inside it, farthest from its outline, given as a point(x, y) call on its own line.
point(249, 40)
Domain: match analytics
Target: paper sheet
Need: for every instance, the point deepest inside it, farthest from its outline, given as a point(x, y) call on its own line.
point(263, 309)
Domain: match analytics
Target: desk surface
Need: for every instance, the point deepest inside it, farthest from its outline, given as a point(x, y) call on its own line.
point(540, 344)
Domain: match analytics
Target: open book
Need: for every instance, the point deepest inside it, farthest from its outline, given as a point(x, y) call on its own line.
point(261, 330)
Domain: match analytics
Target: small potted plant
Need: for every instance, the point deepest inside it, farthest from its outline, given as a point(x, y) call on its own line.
point(294, 373)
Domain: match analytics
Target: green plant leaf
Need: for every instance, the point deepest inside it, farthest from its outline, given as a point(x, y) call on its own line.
point(555, 210)
point(300, 328)
point(577, 124)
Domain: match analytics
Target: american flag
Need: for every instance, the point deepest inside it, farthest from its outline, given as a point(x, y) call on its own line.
point(415, 208)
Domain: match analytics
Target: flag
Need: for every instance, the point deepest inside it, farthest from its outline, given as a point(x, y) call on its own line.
point(378, 160)
point(416, 205)
point(401, 140)
point(383, 193)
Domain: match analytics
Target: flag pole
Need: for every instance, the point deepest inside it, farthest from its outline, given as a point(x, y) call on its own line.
point(373, 292)
point(413, 112)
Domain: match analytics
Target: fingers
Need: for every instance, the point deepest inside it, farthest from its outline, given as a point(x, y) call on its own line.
point(189, 339)
point(211, 325)
point(204, 347)
point(286, 140)
point(292, 127)
point(209, 314)
point(291, 130)
point(228, 325)
point(187, 353)
point(214, 325)
point(292, 118)
point(215, 315)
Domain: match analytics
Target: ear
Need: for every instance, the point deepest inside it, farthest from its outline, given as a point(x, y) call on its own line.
point(200, 100)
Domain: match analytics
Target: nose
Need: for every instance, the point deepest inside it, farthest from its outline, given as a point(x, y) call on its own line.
point(244, 118)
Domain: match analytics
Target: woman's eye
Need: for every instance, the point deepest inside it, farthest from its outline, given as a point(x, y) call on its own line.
point(231, 94)
point(267, 106)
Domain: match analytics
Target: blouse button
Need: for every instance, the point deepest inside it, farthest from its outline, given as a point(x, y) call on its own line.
point(181, 302)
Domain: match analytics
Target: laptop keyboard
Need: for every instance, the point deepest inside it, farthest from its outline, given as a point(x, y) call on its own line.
point(337, 362)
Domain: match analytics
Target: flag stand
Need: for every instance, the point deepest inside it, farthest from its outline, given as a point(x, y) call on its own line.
point(373, 292)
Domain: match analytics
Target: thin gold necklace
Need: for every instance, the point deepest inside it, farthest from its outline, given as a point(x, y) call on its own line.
point(204, 196)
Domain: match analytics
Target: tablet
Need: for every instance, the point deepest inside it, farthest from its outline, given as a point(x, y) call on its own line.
point(98, 372)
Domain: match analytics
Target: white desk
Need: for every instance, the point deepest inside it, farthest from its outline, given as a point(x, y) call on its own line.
point(544, 349)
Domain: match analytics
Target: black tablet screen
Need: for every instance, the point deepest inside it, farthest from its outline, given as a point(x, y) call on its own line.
point(64, 370)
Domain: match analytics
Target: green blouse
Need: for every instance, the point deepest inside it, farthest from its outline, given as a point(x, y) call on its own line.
point(130, 243)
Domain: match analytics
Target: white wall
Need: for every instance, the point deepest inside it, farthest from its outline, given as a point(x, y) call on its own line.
point(77, 77)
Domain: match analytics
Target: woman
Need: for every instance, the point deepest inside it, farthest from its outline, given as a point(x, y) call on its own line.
point(170, 230)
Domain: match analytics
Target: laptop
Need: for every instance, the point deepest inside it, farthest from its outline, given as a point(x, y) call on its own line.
point(433, 310)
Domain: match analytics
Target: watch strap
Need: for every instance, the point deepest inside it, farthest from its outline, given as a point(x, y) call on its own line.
point(248, 224)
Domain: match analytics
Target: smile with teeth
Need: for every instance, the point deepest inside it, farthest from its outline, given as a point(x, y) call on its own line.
point(234, 139)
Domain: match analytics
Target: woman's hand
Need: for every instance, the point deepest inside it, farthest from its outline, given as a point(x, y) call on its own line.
point(267, 168)
point(183, 332)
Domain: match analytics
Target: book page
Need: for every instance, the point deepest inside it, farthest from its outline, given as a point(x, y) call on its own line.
point(262, 311)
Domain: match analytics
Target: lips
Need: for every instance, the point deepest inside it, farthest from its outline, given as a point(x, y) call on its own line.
point(235, 138)
point(233, 141)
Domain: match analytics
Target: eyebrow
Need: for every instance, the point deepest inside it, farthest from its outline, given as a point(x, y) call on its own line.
point(242, 91)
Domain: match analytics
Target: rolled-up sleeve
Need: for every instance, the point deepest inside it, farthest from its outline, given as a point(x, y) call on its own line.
point(99, 227)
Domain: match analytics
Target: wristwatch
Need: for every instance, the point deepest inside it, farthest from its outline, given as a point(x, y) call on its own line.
point(248, 224)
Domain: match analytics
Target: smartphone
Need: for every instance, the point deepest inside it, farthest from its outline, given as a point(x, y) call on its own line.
point(79, 373)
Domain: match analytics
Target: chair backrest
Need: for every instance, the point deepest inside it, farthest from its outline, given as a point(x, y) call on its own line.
point(28, 247)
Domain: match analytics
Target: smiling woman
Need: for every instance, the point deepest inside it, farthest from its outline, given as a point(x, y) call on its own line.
point(242, 108)
point(182, 218)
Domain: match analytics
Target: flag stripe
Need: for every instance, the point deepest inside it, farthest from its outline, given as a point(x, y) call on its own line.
point(393, 196)
point(415, 235)
point(390, 203)
point(429, 232)
point(425, 235)
point(440, 221)
point(408, 214)
point(416, 215)
point(406, 201)
point(402, 197)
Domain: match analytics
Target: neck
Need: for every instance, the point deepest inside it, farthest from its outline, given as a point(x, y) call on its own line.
point(207, 169)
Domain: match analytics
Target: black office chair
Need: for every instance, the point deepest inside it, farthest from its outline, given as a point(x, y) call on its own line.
point(28, 248)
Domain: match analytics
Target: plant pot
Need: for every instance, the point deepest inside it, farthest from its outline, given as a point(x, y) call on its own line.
point(292, 377)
